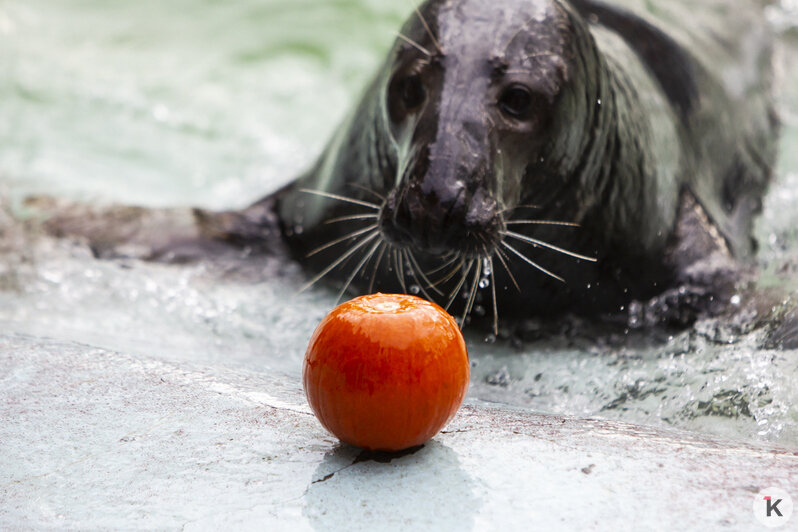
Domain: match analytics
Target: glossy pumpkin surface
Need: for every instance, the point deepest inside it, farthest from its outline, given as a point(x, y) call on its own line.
point(386, 371)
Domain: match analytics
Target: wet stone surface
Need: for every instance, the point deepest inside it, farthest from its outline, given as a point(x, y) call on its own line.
point(93, 439)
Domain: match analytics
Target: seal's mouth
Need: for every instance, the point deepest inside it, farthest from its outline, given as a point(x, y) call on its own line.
point(468, 225)
point(440, 258)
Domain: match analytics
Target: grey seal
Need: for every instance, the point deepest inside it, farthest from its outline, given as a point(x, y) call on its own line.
point(533, 157)
point(546, 155)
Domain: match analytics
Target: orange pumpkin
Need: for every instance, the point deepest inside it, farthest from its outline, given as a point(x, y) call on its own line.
point(386, 371)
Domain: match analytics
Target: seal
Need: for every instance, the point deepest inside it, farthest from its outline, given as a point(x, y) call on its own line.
point(545, 155)
point(532, 157)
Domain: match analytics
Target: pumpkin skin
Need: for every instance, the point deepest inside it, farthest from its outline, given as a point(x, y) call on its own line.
point(386, 372)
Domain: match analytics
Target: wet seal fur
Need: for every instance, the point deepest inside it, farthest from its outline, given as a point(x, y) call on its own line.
point(535, 157)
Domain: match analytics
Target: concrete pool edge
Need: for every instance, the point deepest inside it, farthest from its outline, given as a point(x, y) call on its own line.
point(96, 439)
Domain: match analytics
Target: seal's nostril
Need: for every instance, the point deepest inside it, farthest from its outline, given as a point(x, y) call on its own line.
point(483, 212)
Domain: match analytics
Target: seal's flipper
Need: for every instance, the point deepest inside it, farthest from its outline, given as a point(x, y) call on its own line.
point(709, 282)
point(115, 231)
point(697, 251)
point(174, 235)
point(257, 227)
point(705, 274)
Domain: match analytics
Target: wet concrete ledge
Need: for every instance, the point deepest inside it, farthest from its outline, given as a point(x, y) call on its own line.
point(92, 439)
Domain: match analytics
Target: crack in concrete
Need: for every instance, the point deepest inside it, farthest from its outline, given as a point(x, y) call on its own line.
point(327, 477)
point(382, 457)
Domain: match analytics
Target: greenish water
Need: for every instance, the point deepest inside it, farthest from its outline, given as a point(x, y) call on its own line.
point(179, 102)
point(215, 103)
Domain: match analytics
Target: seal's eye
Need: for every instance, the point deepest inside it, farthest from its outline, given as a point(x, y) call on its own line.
point(412, 92)
point(516, 102)
point(406, 95)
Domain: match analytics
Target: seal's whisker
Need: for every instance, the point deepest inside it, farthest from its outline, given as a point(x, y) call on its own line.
point(540, 54)
point(348, 218)
point(353, 234)
point(406, 254)
point(377, 265)
point(444, 265)
point(491, 120)
point(457, 288)
point(473, 293)
point(367, 189)
point(531, 262)
point(529, 206)
point(552, 247)
point(451, 273)
point(414, 44)
point(340, 198)
point(339, 260)
point(357, 269)
point(493, 292)
point(503, 259)
point(412, 259)
point(400, 274)
point(429, 31)
point(540, 222)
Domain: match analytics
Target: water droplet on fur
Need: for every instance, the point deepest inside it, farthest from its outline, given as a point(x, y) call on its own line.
point(415, 289)
point(484, 283)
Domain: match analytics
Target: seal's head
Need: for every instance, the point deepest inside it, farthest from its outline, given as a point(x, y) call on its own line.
point(483, 105)
point(481, 109)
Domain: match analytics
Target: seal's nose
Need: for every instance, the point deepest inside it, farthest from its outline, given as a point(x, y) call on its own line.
point(465, 222)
